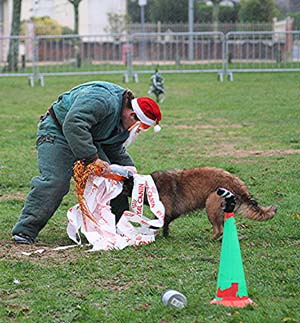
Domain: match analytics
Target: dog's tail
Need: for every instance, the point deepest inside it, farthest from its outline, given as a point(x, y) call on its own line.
point(250, 209)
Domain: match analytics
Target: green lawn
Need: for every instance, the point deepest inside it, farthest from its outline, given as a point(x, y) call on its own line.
point(250, 127)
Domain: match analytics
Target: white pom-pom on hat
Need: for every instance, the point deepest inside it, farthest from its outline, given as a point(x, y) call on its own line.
point(157, 128)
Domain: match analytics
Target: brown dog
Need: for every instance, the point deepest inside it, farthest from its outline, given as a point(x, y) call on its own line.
point(184, 190)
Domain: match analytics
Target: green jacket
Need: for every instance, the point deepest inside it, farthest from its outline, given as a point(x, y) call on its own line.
point(90, 116)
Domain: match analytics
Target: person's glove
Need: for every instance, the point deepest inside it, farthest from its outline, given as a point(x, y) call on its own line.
point(102, 167)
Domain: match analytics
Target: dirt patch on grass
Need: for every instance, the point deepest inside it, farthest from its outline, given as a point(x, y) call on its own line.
point(39, 253)
point(228, 150)
point(184, 126)
point(219, 147)
point(13, 196)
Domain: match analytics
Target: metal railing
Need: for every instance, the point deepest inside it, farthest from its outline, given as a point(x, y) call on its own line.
point(140, 53)
point(177, 53)
point(262, 51)
point(223, 27)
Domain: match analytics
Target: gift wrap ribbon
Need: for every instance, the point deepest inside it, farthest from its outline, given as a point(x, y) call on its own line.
point(100, 228)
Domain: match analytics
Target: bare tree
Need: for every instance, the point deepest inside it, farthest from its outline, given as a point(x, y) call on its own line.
point(215, 14)
point(13, 52)
point(75, 4)
point(77, 42)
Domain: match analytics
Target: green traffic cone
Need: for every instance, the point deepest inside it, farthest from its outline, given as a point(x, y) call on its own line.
point(231, 283)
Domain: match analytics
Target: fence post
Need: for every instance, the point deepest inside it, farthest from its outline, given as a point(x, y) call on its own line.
point(31, 80)
point(128, 51)
point(35, 58)
point(227, 58)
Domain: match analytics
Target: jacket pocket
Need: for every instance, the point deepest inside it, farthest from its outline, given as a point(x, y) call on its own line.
point(45, 138)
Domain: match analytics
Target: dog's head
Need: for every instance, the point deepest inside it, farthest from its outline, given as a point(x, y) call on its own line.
point(127, 186)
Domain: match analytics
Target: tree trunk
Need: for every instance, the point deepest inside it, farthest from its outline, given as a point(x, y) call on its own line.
point(76, 17)
point(13, 52)
point(215, 16)
point(75, 4)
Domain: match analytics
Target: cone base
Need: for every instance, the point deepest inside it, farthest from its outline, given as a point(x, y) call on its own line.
point(233, 302)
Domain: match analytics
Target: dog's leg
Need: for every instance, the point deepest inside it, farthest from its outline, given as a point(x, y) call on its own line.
point(169, 217)
point(166, 227)
point(215, 214)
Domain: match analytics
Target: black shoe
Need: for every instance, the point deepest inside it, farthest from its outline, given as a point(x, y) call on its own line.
point(22, 239)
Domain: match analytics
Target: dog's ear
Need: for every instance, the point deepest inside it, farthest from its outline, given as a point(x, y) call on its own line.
point(128, 186)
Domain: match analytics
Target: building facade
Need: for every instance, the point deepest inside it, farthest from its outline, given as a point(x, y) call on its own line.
point(93, 14)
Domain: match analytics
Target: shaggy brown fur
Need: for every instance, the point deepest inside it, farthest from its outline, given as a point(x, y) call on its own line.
point(184, 190)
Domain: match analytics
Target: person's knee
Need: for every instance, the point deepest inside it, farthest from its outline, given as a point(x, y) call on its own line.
point(61, 184)
point(53, 184)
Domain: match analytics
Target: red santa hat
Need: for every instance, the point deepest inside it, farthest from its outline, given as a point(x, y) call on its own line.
point(148, 112)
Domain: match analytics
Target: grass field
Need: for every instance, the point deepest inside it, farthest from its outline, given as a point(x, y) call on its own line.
point(250, 127)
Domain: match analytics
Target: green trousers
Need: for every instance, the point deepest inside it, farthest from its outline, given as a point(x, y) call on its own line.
point(55, 162)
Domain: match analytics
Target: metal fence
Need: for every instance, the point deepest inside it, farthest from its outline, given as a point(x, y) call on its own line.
point(176, 53)
point(140, 53)
point(223, 27)
point(262, 52)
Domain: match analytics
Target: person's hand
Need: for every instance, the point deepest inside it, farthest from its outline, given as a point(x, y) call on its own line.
point(103, 166)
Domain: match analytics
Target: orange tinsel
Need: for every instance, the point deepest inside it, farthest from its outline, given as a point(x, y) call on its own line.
point(81, 174)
